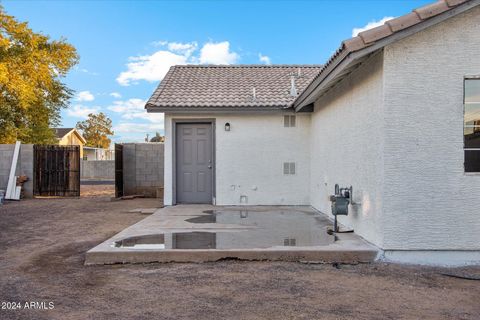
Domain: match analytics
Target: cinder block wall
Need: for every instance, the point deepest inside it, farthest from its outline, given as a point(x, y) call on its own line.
point(97, 169)
point(143, 168)
point(24, 166)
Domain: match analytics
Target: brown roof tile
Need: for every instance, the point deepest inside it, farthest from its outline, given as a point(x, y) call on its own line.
point(432, 10)
point(231, 86)
point(375, 34)
point(403, 22)
point(452, 3)
point(417, 16)
point(353, 44)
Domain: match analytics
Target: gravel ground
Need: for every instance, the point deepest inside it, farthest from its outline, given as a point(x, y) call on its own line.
point(43, 244)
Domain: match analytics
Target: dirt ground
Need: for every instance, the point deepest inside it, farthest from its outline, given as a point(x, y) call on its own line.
point(43, 244)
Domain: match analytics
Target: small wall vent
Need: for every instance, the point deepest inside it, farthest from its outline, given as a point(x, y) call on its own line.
point(289, 121)
point(289, 168)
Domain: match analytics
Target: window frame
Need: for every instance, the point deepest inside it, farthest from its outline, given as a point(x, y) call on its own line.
point(465, 149)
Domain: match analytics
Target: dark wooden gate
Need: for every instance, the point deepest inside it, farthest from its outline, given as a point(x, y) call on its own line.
point(118, 170)
point(56, 171)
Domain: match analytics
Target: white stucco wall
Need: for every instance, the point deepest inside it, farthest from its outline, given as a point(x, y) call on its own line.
point(393, 129)
point(429, 202)
point(250, 157)
point(347, 148)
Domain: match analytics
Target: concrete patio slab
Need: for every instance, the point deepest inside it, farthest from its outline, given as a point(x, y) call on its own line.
point(201, 233)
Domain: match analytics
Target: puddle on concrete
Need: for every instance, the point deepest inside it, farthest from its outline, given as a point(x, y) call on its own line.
point(269, 229)
point(203, 219)
point(156, 241)
point(177, 240)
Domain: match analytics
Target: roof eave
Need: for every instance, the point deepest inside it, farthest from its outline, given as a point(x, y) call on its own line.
point(349, 58)
point(74, 131)
point(231, 109)
point(79, 135)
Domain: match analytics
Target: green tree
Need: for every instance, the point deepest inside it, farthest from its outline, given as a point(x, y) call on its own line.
point(158, 138)
point(96, 130)
point(31, 91)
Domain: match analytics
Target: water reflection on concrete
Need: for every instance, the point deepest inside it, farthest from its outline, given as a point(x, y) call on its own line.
point(269, 228)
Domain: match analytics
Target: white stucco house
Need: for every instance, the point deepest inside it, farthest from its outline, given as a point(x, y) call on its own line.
point(395, 113)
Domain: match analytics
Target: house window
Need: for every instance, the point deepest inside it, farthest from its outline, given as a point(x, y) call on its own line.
point(289, 168)
point(289, 121)
point(471, 125)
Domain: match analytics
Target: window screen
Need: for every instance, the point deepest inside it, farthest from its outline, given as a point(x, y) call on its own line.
point(471, 125)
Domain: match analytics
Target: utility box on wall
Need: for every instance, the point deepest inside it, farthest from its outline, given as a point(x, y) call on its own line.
point(143, 169)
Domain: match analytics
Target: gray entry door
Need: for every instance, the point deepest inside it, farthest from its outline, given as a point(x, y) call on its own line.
point(194, 163)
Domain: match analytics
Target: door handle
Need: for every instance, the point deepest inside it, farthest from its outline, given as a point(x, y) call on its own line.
point(209, 167)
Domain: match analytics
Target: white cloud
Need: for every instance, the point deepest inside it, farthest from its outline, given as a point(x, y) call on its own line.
point(160, 43)
point(116, 95)
point(85, 96)
point(81, 111)
point(183, 48)
point(264, 59)
point(152, 117)
point(150, 68)
point(134, 127)
point(154, 67)
point(135, 109)
point(135, 132)
point(127, 106)
point(370, 25)
point(217, 53)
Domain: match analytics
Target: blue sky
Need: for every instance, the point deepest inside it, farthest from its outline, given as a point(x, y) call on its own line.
point(126, 47)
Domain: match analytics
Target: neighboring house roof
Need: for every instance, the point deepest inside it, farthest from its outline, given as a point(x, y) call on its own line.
point(237, 87)
point(354, 51)
point(62, 132)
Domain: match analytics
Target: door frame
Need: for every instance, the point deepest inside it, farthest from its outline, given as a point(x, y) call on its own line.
point(210, 121)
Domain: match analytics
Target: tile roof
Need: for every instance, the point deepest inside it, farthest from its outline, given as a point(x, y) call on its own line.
point(390, 28)
point(213, 86)
point(220, 86)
